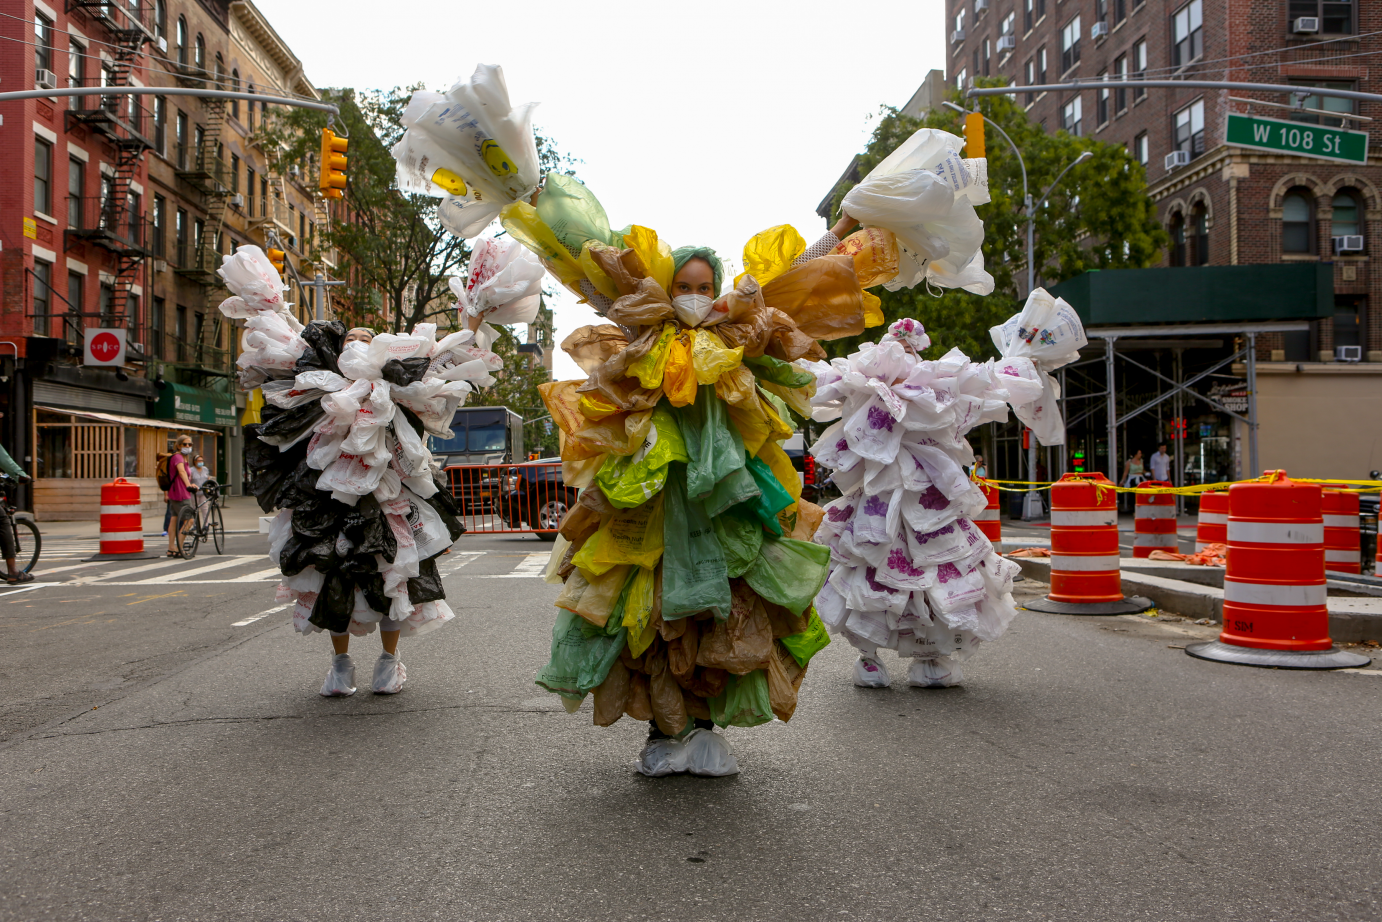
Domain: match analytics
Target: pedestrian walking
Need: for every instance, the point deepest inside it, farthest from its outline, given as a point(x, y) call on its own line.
point(179, 490)
point(1161, 464)
point(13, 575)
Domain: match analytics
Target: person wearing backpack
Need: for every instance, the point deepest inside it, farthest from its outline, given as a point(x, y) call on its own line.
point(174, 473)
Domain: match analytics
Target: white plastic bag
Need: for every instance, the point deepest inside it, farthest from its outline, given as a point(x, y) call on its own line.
point(503, 284)
point(1047, 331)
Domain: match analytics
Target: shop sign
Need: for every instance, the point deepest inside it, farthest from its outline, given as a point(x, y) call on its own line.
point(105, 346)
point(1233, 395)
point(194, 405)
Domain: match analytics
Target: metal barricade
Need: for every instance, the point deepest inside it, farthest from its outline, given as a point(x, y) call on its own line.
point(511, 498)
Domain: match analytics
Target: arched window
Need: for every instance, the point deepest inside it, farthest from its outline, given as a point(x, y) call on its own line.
point(181, 39)
point(1199, 226)
point(1297, 223)
point(235, 88)
point(1346, 213)
point(199, 53)
point(1178, 239)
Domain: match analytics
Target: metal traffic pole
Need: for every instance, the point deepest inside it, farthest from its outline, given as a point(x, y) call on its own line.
point(320, 283)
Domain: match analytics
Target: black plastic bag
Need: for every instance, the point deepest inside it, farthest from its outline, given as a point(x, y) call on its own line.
point(446, 506)
point(324, 342)
point(335, 603)
point(368, 530)
point(301, 551)
point(291, 425)
point(402, 372)
point(319, 517)
point(426, 586)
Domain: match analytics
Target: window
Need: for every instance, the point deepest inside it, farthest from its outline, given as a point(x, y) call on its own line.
point(263, 198)
point(234, 174)
point(181, 41)
point(1070, 45)
point(180, 235)
point(134, 207)
point(1120, 72)
point(1139, 67)
point(1120, 11)
point(249, 109)
point(160, 226)
point(156, 327)
point(76, 303)
point(235, 88)
point(1335, 18)
point(199, 53)
point(76, 182)
point(1141, 149)
point(1199, 226)
point(249, 191)
point(988, 56)
point(76, 69)
point(43, 42)
point(302, 226)
point(1041, 65)
point(960, 78)
point(1327, 103)
point(43, 296)
point(1032, 12)
point(1348, 313)
point(1177, 230)
point(1103, 100)
point(160, 19)
point(1009, 24)
point(1190, 129)
point(43, 176)
point(1297, 223)
point(1187, 32)
point(960, 22)
point(180, 333)
point(1029, 73)
point(106, 217)
point(1071, 116)
point(1345, 221)
point(161, 125)
point(293, 213)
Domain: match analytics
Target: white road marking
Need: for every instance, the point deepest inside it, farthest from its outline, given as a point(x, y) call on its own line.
point(531, 566)
point(29, 588)
point(75, 566)
point(455, 560)
point(257, 576)
point(1362, 671)
point(157, 565)
point(263, 614)
point(195, 571)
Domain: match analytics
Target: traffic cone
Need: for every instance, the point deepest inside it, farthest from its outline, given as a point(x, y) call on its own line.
point(1211, 527)
point(1154, 521)
point(1343, 539)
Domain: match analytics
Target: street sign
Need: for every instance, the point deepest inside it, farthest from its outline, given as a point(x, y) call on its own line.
point(105, 347)
point(1297, 138)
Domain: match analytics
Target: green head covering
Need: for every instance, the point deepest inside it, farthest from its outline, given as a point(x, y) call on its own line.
point(683, 255)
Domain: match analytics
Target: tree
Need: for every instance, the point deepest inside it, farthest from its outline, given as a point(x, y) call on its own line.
point(1099, 217)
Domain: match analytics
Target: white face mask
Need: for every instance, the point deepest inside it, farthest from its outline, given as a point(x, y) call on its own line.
point(185, 451)
point(692, 309)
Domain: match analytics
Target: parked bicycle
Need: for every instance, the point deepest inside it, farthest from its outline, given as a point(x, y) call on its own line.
point(27, 540)
point(202, 521)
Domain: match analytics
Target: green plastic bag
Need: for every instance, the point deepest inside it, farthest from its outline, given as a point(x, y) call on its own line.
point(715, 447)
point(573, 212)
point(694, 574)
point(809, 642)
point(773, 496)
point(789, 572)
point(632, 480)
point(744, 703)
point(740, 539)
point(582, 655)
point(738, 487)
point(767, 368)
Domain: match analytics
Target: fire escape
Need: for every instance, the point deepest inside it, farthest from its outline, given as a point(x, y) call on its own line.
point(205, 170)
point(114, 220)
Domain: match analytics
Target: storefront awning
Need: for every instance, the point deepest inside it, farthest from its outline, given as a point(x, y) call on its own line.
point(183, 403)
point(125, 420)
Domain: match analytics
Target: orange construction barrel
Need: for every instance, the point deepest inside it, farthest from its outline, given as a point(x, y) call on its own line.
point(1343, 541)
point(1212, 525)
point(988, 520)
point(1274, 587)
point(1154, 521)
point(1085, 577)
point(122, 524)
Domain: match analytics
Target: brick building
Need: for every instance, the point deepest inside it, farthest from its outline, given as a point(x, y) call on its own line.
point(114, 213)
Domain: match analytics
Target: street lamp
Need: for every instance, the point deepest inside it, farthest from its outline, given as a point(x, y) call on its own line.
point(1031, 506)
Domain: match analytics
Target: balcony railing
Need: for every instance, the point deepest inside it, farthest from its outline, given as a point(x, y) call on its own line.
point(205, 353)
point(273, 210)
point(122, 118)
point(207, 172)
point(100, 221)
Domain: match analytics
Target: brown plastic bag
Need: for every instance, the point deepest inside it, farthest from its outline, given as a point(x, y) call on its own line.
point(874, 251)
point(708, 683)
point(606, 378)
point(809, 517)
point(579, 524)
point(784, 681)
point(623, 268)
point(612, 695)
point(741, 643)
point(592, 346)
point(822, 296)
point(669, 708)
point(695, 705)
point(598, 600)
point(681, 652)
point(647, 304)
point(563, 402)
point(640, 705)
point(784, 623)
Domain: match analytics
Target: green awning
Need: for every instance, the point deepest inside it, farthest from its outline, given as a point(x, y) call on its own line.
point(187, 404)
point(1202, 294)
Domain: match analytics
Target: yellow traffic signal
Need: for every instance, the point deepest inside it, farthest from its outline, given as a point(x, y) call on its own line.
point(276, 258)
point(974, 135)
point(333, 164)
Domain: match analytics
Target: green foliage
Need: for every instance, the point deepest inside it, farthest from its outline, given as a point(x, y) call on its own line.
point(1099, 217)
point(516, 385)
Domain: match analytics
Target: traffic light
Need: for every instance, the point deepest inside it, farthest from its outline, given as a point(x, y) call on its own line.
point(333, 164)
point(276, 257)
point(974, 135)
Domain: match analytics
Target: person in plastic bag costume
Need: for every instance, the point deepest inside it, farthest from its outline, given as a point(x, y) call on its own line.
point(909, 569)
point(341, 455)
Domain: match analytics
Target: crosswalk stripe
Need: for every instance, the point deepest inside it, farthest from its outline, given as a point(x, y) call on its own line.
point(197, 571)
point(257, 576)
point(531, 566)
point(263, 614)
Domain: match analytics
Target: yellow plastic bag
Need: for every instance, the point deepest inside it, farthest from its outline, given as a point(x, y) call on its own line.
point(753, 426)
point(596, 273)
point(873, 309)
point(595, 406)
point(522, 222)
point(772, 454)
point(563, 403)
point(655, 253)
point(571, 592)
point(711, 358)
point(737, 387)
point(648, 369)
point(770, 253)
point(600, 597)
point(638, 610)
point(822, 296)
point(874, 251)
point(679, 375)
point(630, 536)
point(797, 398)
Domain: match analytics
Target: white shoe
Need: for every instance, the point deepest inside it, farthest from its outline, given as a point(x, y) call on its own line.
point(660, 757)
point(708, 755)
point(340, 681)
point(869, 672)
point(389, 675)
point(934, 673)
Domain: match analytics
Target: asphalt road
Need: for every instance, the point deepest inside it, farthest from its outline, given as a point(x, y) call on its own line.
point(165, 760)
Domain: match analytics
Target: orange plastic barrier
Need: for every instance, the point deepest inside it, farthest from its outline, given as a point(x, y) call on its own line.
point(1212, 526)
point(529, 496)
point(122, 524)
point(1343, 543)
point(988, 520)
point(1154, 521)
point(1084, 540)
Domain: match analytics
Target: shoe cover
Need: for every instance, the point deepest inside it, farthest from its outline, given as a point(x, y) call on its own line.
point(340, 680)
point(389, 675)
point(870, 672)
point(662, 757)
point(941, 672)
point(708, 755)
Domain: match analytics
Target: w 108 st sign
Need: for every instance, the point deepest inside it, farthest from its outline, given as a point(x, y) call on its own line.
point(1297, 138)
point(105, 347)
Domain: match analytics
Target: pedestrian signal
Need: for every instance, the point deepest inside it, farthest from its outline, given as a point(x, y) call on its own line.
point(333, 164)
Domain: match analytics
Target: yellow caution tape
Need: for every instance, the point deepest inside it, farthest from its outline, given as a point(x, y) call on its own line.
point(1024, 486)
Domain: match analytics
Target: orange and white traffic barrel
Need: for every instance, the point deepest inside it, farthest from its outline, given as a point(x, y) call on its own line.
point(1212, 524)
point(988, 520)
point(1154, 521)
point(1343, 541)
point(122, 524)
point(1085, 575)
point(1274, 587)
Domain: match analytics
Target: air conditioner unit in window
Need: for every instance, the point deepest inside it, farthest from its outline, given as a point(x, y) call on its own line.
point(163, 44)
point(237, 200)
point(1006, 43)
point(1349, 243)
point(1348, 353)
point(45, 79)
point(1177, 158)
point(980, 5)
point(160, 265)
point(293, 171)
point(1306, 25)
point(1098, 30)
point(957, 36)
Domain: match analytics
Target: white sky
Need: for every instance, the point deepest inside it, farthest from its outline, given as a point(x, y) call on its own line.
point(707, 122)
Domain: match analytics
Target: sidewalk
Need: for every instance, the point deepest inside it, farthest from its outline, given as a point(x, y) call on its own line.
point(241, 515)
